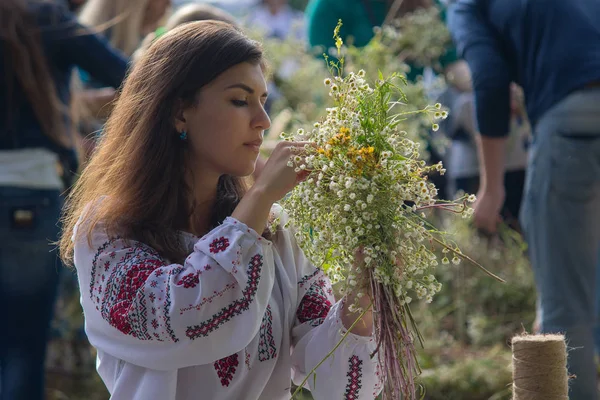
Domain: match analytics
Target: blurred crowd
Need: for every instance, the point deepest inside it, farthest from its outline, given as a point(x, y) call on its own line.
point(63, 62)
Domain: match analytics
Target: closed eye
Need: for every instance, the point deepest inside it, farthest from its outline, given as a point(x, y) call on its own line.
point(239, 103)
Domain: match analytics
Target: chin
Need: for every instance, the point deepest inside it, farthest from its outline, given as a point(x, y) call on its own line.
point(242, 172)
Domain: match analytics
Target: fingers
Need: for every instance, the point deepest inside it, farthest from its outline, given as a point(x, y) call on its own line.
point(297, 157)
point(300, 147)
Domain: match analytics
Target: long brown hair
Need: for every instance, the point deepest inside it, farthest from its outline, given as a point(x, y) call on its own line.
point(135, 179)
point(27, 66)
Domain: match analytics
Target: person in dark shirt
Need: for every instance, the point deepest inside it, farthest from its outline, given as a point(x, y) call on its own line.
point(551, 48)
point(40, 43)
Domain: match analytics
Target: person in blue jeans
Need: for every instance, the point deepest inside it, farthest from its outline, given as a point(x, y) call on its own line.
point(551, 49)
point(40, 43)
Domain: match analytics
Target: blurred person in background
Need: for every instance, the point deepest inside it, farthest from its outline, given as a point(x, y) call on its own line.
point(359, 18)
point(198, 12)
point(188, 13)
point(277, 19)
point(40, 43)
point(552, 50)
point(124, 23)
point(461, 159)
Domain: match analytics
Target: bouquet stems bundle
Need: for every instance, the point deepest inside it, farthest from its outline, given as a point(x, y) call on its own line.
point(368, 192)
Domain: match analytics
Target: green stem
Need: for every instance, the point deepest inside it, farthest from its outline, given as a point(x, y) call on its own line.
point(314, 370)
point(464, 256)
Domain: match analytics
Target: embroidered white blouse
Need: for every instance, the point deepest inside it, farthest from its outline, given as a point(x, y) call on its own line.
point(239, 320)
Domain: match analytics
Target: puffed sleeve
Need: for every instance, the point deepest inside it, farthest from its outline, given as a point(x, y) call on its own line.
point(159, 315)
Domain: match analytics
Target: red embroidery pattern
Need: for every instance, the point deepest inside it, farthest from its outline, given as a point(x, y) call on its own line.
point(167, 308)
point(209, 299)
point(235, 308)
point(226, 368)
point(190, 280)
point(101, 250)
point(219, 245)
point(354, 379)
point(315, 304)
point(306, 278)
point(123, 303)
point(379, 382)
point(266, 344)
point(247, 359)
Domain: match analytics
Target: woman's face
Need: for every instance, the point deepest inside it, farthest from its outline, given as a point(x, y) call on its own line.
point(155, 10)
point(225, 128)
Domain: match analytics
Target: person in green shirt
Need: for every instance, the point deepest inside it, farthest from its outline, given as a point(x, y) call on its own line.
point(358, 17)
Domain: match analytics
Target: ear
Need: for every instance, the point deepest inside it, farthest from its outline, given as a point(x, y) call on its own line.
point(180, 121)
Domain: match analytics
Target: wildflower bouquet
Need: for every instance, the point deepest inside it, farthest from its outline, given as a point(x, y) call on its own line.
point(368, 192)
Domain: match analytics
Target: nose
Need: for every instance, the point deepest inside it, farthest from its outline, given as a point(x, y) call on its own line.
point(261, 120)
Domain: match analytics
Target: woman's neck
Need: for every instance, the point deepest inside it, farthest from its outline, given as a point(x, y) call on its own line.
point(199, 221)
point(204, 194)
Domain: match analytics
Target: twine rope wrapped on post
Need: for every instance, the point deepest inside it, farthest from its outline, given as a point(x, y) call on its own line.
point(540, 367)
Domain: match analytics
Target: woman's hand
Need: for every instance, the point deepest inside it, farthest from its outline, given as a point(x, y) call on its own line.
point(275, 180)
point(278, 176)
point(364, 327)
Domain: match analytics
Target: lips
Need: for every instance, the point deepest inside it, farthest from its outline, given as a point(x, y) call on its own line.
point(255, 145)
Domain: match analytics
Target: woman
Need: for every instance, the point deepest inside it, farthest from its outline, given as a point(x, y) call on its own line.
point(181, 292)
point(40, 42)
